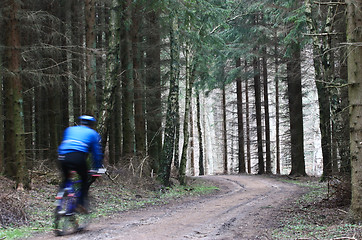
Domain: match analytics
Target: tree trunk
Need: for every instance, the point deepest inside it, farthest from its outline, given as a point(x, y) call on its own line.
point(68, 25)
point(127, 84)
point(201, 147)
point(111, 85)
point(175, 74)
point(224, 129)
point(172, 120)
point(256, 67)
point(266, 110)
point(77, 55)
point(153, 86)
point(191, 149)
point(1, 119)
point(239, 97)
point(90, 62)
point(14, 129)
point(277, 114)
point(343, 138)
point(247, 119)
point(53, 117)
point(294, 79)
point(140, 127)
point(190, 75)
point(321, 62)
point(354, 39)
point(170, 127)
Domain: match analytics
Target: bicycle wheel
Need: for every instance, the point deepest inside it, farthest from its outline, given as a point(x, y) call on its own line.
point(65, 221)
point(84, 219)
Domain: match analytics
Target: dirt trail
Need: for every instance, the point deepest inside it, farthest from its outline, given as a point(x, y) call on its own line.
point(244, 209)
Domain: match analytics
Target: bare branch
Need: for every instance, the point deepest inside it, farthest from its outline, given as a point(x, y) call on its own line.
point(330, 3)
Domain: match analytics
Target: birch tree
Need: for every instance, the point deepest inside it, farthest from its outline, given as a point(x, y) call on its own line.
point(172, 123)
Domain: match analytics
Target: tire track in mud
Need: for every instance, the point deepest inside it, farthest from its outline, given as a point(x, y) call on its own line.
point(241, 210)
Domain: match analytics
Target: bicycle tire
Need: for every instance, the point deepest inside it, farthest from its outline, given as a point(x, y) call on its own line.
point(84, 219)
point(65, 221)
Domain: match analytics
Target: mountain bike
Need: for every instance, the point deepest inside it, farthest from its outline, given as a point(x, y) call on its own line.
point(67, 220)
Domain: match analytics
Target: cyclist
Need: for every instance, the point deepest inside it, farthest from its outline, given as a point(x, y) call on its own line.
point(73, 151)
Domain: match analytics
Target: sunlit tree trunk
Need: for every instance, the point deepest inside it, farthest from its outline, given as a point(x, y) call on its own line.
point(190, 75)
point(354, 40)
point(175, 74)
point(186, 132)
point(322, 71)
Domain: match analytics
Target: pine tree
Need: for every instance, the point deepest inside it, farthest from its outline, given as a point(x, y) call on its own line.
point(15, 163)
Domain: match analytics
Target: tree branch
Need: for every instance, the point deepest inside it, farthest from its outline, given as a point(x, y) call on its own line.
point(329, 3)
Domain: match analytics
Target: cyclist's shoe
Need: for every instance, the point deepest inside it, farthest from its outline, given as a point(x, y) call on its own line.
point(81, 209)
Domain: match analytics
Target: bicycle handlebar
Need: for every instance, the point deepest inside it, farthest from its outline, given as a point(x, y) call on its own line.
point(97, 172)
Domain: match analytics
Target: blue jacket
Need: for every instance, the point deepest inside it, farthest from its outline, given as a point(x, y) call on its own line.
point(82, 139)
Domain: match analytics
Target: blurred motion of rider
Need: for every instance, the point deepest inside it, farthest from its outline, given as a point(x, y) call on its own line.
point(73, 151)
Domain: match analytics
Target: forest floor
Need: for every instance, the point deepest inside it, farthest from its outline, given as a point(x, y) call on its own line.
point(210, 207)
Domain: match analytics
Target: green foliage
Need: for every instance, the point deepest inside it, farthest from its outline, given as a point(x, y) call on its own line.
point(220, 31)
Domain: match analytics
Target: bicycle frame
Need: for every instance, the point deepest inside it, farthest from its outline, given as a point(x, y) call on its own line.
point(70, 192)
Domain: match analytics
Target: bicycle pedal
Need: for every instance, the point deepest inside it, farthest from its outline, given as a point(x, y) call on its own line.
point(59, 195)
point(61, 212)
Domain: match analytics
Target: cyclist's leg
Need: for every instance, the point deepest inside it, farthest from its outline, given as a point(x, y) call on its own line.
point(83, 173)
point(64, 167)
point(80, 165)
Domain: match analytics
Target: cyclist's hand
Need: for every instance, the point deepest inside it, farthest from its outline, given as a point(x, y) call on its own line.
point(93, 171)
point(98, 171)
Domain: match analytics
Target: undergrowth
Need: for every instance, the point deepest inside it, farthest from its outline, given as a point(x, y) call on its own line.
point(25, 213)
point(321, 213)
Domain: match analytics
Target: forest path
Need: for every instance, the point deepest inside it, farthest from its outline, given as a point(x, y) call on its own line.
point(245, 208)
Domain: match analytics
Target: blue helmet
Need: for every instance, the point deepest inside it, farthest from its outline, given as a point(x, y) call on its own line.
point(87, 120)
